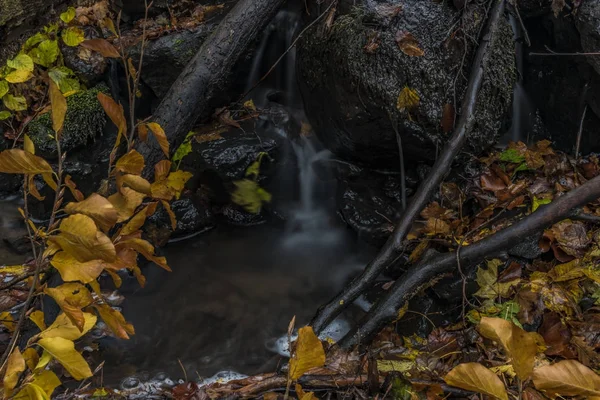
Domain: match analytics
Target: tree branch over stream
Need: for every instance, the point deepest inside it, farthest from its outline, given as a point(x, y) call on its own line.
point(205, 75)
point(393, 248)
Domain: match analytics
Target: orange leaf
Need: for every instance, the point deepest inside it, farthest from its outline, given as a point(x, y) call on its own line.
point(73, 188)
point(125, 202)
point(477, 378)
point(102, 46)
point(171, 214)
point(115, 321)
point(131, 163)
point(137, 183)
point(80, 237)
point(17, 161)
point(144, 248)
point(567, 378)
point(72, 297)
point(408, 44)
point(161, 170)
point(114, 111)
point(309, 353)
point(142, 132)
point(160, 136)
point(96, 207)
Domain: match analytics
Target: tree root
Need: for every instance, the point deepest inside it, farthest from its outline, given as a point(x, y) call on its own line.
point(410, 283)
point(392, 249)
point(189, 98)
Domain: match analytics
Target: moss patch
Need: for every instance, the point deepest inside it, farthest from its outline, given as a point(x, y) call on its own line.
point(84, 121)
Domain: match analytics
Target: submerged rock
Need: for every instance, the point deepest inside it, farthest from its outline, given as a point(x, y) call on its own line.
point(352, 73)
point(85, 120)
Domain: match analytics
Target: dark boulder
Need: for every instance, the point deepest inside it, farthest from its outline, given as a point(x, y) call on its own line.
point(351, 75)
point(192, 216)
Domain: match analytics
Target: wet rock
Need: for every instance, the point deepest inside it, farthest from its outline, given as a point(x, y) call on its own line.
point(531, 8)
point(555, 85)
point(234, 215)
point(352, 73)
point(192, 216)
point(89, 66)
point(370, 202)
point(85, 120)
point(587, 21)
point(528, 248)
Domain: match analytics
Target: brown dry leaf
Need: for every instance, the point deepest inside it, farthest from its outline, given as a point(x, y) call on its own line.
point(17, 161)
point(436, 226)
point(114, 111)
point(143, 132)
point(520, 345)
point(448, 116)
point(309, 353)
point(477, 378)
point(209, 137)
point(487, 279)
point(15, 365)
point(571, 236)
point(72, 297)
point(161, 170)
point(567, 378)
point(59, 108)
point(96, 207)
point(73, 188)
point(131, 163)
point(137, 183)
point(80, 238)
point(125, 202)
point(144, 248)
point(160, 136)
point(171, 214)
point(72, 270)
point(302, 395)
point(557, 6)
point(115, 321)
point(131, 68)
point(408, 44)
point(102, 46)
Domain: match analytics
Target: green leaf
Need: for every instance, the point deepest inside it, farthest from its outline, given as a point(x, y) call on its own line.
point(52, 28)
point(537, 202)
point(5, 115)
point(511, 156)
point(68, 15)
point(250, 196)
point(62, 77)
point(21, 62)
point(34, 40)
point(46, 53)
point(72, 36)
point(253, 170)
point(3, 88)
point(184, 149)
point(15, 103)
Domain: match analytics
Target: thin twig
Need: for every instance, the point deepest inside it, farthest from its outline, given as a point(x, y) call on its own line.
point(580, 131)
point(16, 280)
point(402, 172)
point(554, 53)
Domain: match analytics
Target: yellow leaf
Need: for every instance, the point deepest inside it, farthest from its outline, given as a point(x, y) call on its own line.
point(7, 320)
point(59, 107)
point(138, 219)
point(15, 103)
point(567, 378)
point(520, 345)
point(3, 89)
point(80, 238)
point(96, 207)
point(302, 395)
point(477, 378)
point(21, 61)
point(130, 163)
point(407, 99)
point(177, 180)
point(137, 183)
point(28, 145)
point(73, 188)
point(64, 351)
point(44, 384)
point(31, 186)
point(63, 327)
point(144, 248)
point(160, 136)
point(31, 358)
point(395, 365)
point(249, 104)
point(17, 161)
point(125, 202)
point(115, 321)
point(309, 353)
point(114, 111)
point(131, 68)
point(72, 270)
point(43, 361)
point(14, 366)
point(250, 195)
point(68, 15)
point(71, 298)
point(487, 279)
point(73, 36)
point(102, 46)
point(19, 76)
point(37, 317)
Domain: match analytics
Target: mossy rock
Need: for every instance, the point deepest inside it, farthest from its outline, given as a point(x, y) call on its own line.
point(85, 120)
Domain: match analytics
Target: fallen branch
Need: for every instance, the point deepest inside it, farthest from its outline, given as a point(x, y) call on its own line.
point(206, 74)
point(392, 249)
point(420, 276)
